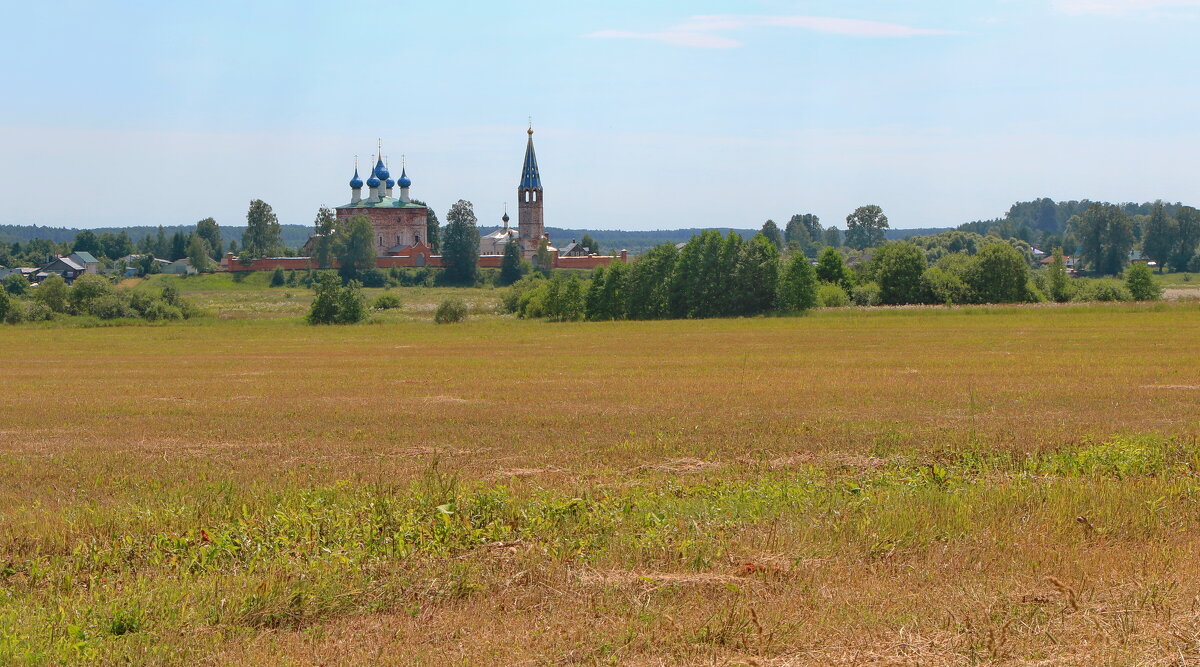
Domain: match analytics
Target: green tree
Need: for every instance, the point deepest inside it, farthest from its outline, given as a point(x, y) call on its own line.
point(354, 247)
point(797, 286)
point(53, 293)
point(7, 303)
point(864, 227)
point(1187, 238)
point(262, 237)
point(86, 241)
point(510, 265)
point(199, 254)
point(433, 228)
point(832, 237)
point(1140, 282)
point(1106, 238)
point(86, 290)
point(898, 268)
point(771, 231)
point(605, 299)
point(590, 243)
point(210, 231)
point(116, 246)
point(998, 274)
point(16, 284)
point(178, 246)
point(460, 253)
point(756, 277)
point(1058, 283)
point(831, 268)
point(648, 283)
point(803, 229)
point(1159, 236)
point(325, 227)
point(335, 303)
point(543, 260)
point(278, 277)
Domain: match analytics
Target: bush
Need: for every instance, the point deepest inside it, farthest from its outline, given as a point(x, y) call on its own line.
point(87, 289)
point(37, 311)
point(451, 310)
point(278, 278)
point(998, 274)
point(336, 303)
point(899, 267)
point(161, 311)
point(15, 313)
point(6, 303)
point(797, 286)
point(16, 284)
point(1140, 283)
point(832, 296)
point(53, 293)
point(942, 286)
point(865, 294)
point(387, 301)
point(1104, 289)
point(110, 307)
point(373, 278)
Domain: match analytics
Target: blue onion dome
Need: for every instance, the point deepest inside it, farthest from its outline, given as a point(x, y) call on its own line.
point(373, 182)
point(390, 183)
point(404, 181)
point(505, 218)
point(356, 182)
point(381, 171)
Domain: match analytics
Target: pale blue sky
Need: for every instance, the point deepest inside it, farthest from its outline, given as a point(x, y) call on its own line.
point(648, 115)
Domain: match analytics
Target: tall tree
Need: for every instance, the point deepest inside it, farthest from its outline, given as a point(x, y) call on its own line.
point(115, 246)
point(179, 249)
point(998, 274)
point(460, 253)
point(324, 227)
point(1058, 283)
point(198, 253)
point(1106, 238)
point(803, 229)
point(354, 246)
point(756, 277)
point(864, 227)
point(1187, 238)
point(262, 237)
point(86, 241)
point(797, 286)
point(771, 231)
point(510, 264)
point(210, 231)
point(832, 237)
point(831, 268)
point(1158, 236)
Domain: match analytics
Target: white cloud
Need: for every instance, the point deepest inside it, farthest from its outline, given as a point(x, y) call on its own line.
point(699, 31)
point(1117, 7)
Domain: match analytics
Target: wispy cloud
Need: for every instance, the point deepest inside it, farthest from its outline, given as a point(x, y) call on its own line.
point(703, 31)
point(1117, 7)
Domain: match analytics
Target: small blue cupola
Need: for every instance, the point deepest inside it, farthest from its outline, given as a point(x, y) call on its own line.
point(390, 183)
point(373, 182)
point(356, 182)
point(381, 171)
point(404, 181)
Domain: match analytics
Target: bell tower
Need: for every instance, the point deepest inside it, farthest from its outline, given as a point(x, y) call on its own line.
point(530, 227)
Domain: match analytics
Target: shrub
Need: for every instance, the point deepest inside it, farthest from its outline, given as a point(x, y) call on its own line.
point(797, 286)
point(865, 294)
point(278, 278)
point(6, 302)
point(451, 310)
point(832, 269)
point(37, 311)
point(336, 303)
point(110, 307)
point(832, 296)
point(16, 284)
point(161, 310)
point(1140, 283)
point(387, 301)
point(87, 289)
point(1104, 289)
point(942, 286)
point(998, 274)
point(53, 294)
point(373, 278)
point(15, 313)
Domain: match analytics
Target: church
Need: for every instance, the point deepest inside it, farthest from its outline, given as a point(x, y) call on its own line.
point(401, 226)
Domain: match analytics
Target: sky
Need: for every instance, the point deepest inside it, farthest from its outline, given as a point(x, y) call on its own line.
point(647, 115)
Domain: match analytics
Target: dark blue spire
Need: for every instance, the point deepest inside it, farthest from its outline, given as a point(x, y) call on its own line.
point(529, 173)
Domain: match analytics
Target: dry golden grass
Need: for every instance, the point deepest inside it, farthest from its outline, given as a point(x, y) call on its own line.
point(937, 486)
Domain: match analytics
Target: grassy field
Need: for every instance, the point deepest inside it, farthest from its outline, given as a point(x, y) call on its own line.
point(927, 486)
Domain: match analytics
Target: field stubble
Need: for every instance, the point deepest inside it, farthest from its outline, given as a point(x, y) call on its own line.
point(937, 486)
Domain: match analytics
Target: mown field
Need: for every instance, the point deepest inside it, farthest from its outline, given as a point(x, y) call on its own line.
point(925, 486)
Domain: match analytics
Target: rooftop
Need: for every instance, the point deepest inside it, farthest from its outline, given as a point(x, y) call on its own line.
point(385, 202)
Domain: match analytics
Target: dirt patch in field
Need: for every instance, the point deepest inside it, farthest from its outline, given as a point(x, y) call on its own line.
point(526, 472)
point(453, 400)
point(656, 579)
point(1187, 387)
point(683, 465)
